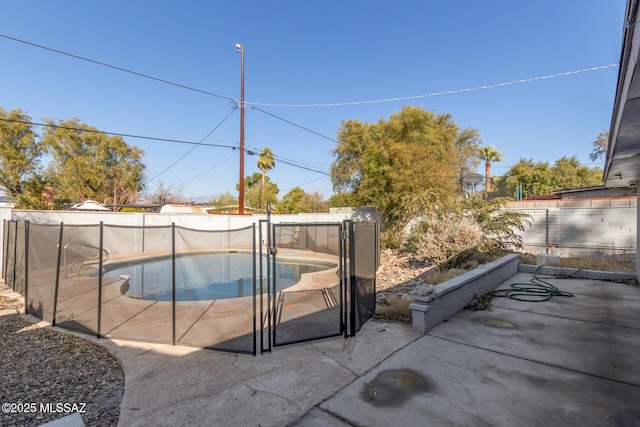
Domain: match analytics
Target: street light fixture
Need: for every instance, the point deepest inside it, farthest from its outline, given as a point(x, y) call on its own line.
point(240, 48)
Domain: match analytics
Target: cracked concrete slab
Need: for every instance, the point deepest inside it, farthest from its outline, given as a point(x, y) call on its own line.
point(567, 361)
point(168, 386)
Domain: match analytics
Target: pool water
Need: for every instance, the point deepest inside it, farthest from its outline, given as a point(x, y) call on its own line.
point(206, 276)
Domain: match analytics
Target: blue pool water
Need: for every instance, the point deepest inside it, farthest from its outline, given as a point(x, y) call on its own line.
point(205, 276)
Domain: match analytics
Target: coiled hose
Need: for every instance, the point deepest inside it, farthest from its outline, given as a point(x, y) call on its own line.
point(537, 290)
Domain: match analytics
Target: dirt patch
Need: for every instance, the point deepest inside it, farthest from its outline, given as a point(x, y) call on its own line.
point(6, 302)
point(399, 279)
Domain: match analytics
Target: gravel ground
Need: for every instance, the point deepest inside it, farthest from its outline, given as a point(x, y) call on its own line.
point(400, 272)
point(42, 368)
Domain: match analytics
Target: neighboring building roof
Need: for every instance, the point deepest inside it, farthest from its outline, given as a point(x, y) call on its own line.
point(88, 205)
point(596, 192)
point(183, 208)
point(543, 197)
point(599, 192)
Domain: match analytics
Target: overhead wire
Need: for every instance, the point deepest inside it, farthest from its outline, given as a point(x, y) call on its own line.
point(254, 150)
point(304, 183)
point(191, 149)
point(124, 135)
point(209, 169)
point(301, 166)
point(333, 104)
point(104, 64)
point(288, 162)
point(294, 124)
point(446, 92)
point(255, 105)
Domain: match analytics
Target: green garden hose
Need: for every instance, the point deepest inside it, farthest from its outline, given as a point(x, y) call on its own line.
point(537, 290)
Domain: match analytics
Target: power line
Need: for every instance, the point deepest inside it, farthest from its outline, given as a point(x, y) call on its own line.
point(290, 163)
point(294, 124)
point(447, 92)
point(255, 150)
point(304, 183)
point(299, 166)
point(208, 170)
point(104, 64)
point(124, 135)
point(335, 104)
point(191, 149)
point(233, 147)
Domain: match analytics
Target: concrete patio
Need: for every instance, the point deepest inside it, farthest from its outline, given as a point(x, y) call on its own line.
point(567, 361)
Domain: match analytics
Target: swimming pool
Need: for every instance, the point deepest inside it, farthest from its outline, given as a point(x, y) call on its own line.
point(208, 276)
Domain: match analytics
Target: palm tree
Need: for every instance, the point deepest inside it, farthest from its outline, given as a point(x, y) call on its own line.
point(266, 162)
point(490, 155)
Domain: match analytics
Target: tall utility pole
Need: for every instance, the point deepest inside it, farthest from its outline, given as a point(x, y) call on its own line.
point(240, 48)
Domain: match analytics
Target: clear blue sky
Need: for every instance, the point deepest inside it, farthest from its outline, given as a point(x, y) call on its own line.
point(312, 53)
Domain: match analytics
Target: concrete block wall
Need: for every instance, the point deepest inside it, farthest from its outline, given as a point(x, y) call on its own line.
point(568, 230)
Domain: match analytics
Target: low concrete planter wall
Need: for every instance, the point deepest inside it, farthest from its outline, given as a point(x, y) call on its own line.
point(453, 295)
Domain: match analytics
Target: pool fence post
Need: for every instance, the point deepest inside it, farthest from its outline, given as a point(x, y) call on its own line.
point(255, 338)
point(57, 285)
point(15, 253)
point(26, 266)
point(260, 222)
point(173, 283)
point(271, 279)
point(5, 244)
point(342, 246)
point(99, 327)
point(352, 278)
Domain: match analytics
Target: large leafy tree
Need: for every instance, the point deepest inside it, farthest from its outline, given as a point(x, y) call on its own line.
point(541, 178)
point(534, 177)
point(569, 173)
point(415, 152)
point(468, 152)
point(299, 201)
point(20, 153)
point(490, 155)
point(255, 193)
point(89, 164)
point(600, 146)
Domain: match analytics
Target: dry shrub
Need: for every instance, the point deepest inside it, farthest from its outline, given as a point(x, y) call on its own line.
point(455, 233)
point(444, 275)
point(7, 302)
point(439, 238)
point(395, 307)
